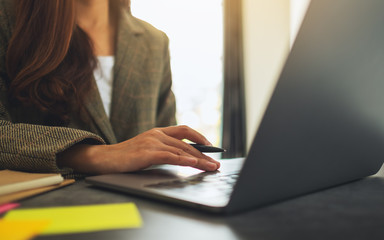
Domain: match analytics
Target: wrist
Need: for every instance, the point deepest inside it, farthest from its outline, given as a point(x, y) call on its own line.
point(82, 158)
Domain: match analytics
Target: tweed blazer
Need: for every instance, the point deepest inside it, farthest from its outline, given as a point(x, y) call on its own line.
point(141, 99)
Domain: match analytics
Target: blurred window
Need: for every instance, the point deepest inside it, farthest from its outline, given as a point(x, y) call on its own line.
point(195, 30)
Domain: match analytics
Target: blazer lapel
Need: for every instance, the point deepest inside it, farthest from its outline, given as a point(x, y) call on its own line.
point(129, 51)
point(95, 108)
point(130, 55)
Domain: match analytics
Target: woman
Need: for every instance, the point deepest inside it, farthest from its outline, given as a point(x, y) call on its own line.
point(54, 115)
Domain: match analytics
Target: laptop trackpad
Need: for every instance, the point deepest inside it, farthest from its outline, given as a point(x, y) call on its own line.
point(173, 181)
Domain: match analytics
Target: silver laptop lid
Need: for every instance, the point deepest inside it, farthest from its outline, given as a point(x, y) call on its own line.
point(324, 124)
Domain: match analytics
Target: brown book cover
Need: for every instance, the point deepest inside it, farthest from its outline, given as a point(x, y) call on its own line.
point(16, 185)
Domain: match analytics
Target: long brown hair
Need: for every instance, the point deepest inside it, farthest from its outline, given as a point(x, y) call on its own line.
point(50, 59)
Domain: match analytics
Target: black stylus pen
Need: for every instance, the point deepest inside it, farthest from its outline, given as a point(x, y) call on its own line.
point(205, 148)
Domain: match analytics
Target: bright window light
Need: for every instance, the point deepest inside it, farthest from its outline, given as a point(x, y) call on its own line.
point(195, 30)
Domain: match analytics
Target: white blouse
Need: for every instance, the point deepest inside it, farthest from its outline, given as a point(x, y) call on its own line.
point(103, 74)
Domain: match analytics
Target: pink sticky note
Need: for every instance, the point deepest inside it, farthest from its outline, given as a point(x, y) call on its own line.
point(8, 206)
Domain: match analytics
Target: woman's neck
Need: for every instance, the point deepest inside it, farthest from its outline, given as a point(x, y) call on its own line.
point(93, 16)
point(92, 13)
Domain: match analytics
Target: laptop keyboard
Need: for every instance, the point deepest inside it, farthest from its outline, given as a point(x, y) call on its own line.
point(202, 182)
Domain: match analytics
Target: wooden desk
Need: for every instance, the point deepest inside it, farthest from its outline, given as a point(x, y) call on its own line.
point(351, 211)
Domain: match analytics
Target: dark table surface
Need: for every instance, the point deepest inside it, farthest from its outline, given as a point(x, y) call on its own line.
point(350, 211)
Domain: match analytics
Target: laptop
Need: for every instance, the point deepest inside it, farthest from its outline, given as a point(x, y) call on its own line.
point(323, 126)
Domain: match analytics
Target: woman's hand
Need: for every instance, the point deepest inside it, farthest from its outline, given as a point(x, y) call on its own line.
point(156, 146)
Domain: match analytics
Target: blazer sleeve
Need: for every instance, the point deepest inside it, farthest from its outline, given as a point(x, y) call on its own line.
point(28, 147)
point(166, 109)
point(33, 148)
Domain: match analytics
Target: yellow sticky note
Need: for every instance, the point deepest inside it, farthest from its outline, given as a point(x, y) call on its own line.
point(82, 218)
point(21, 230)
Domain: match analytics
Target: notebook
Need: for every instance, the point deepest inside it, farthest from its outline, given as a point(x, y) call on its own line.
point(14, 181)
point(15, 185)
point(323, 126)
